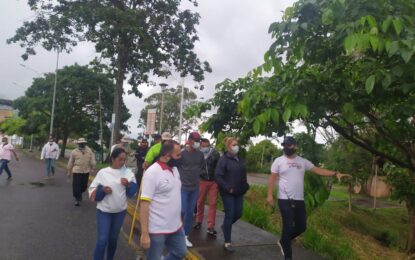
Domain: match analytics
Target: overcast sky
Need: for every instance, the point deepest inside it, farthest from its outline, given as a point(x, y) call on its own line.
point(233, 39)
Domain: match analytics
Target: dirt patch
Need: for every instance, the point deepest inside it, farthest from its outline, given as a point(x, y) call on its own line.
point(37, 184)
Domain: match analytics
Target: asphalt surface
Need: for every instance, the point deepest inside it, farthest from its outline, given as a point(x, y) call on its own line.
point(39, 221)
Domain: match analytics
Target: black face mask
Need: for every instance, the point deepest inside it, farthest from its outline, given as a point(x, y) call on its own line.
point(81, 146)
point(289, 151)
point(173, 163)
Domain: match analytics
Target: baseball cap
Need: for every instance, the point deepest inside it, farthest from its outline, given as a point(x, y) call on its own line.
point(166, 136)
point(195, 136)
point(289, 140)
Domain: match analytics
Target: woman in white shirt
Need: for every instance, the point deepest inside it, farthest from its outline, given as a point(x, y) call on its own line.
point(110, 188)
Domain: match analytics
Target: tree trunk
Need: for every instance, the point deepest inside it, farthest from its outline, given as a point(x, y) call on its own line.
point(411, 232)
point(64, 142)
point(121, 69)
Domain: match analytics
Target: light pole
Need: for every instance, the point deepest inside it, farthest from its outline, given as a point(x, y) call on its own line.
point(163, 87)
point(54, 94)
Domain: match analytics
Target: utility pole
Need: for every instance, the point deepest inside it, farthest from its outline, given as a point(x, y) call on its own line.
point(54, 94)
point(163, 87)
point(181, 113)
point(101, 138)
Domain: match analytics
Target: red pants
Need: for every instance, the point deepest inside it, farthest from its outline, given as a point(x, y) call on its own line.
point(206, 187)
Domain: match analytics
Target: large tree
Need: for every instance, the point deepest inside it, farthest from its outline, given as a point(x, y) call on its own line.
point(171, 109)
point(134, 37)
point(77, 110)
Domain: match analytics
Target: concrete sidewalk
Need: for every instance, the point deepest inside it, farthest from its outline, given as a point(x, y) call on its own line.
point(249, 241)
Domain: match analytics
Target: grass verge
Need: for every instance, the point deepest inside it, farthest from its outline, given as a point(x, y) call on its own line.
point(335, 233)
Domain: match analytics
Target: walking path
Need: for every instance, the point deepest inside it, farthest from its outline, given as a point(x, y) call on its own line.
point(39, 221)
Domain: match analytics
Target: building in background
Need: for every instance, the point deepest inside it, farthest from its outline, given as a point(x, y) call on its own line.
point(6, 109)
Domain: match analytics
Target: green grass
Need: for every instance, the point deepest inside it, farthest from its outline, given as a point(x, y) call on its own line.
point(335, 233)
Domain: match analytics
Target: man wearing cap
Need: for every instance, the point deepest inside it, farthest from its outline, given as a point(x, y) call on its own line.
point(154, 151)
point(290, 169)
point(81, 163)
point(191, 167)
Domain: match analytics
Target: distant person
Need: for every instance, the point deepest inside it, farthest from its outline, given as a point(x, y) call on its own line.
point(207, 185)
point(140, 155)
point(81, 163)
point(6, 151)
point(231, 177)
point(50, 153)
point(290, 169)
point(118, 143)
point(110, 188)
point(160, 207)
point(154, 151)
point(191, 166)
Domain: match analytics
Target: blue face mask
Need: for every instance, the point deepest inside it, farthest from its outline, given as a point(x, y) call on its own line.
point(205, 150)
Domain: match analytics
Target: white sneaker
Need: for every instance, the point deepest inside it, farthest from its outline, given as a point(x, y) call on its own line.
point(282, 250)
point(188, 243)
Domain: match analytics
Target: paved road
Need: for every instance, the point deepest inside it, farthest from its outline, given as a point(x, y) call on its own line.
point(39, 221)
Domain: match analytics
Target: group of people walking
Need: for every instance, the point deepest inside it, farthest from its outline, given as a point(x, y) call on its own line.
point(178, 181)
point(175, 183)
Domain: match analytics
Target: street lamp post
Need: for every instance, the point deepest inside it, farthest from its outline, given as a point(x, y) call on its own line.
point(54, 94)
point(163, 87)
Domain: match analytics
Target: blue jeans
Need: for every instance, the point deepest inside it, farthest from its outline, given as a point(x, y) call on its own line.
point(233, 211)
point(189, 201)
point(109, 225)
point(50, 167)
point(175, 243)
point(4, 166)
point(294, 222)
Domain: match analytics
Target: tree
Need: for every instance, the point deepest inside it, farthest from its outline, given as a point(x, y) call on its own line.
point(347, 65)
point(135, 38)
point(76, 112)
point(259, 157)
point(12, 125)
point(344, 156)
point(309, 148)
point(171, 110)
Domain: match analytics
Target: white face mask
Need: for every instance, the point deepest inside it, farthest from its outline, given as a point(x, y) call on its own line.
point(235, 149)
point(196, 145)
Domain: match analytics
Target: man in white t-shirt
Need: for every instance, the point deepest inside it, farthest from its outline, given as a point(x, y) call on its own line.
point(6, 151)
point(290, 169)
point(50, 153)
point(160, 207)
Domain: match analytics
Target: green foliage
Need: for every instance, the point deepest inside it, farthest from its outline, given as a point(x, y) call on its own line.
point(76, 111)
point(259, 157)
point(13, 125)
point(316, 191)
point(133, 39)
point(136, 37)
point(309, 148)
point(171, 109)
point(333, 232)
point(344, 156)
